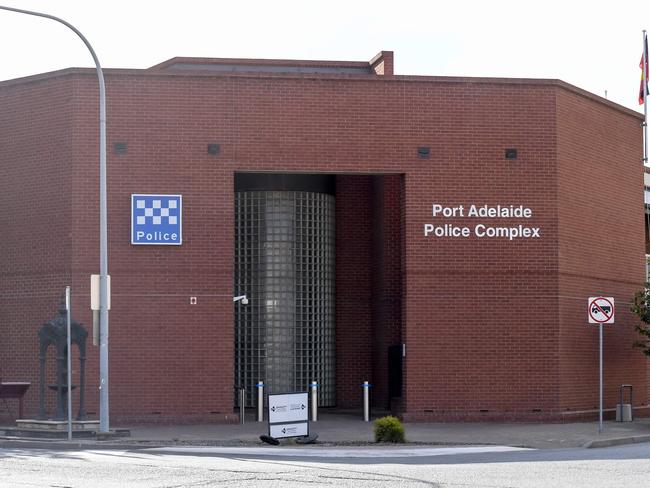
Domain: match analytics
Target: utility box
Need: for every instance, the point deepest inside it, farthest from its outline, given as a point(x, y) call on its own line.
point(624, 410)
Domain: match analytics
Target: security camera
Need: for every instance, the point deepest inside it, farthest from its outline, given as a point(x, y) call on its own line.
point(244, 301)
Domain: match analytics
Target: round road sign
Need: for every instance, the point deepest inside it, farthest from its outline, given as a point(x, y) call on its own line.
point(601, 310)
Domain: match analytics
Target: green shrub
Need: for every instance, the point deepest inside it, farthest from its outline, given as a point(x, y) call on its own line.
point(389, 429)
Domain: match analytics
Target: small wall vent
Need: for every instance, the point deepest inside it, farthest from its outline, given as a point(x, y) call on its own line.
point(423, 152)
point(120, 148)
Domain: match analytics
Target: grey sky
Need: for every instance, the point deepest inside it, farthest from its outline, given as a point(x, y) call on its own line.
point(594, 45)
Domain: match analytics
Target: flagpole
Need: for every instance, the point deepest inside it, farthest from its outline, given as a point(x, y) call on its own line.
point(644, 77)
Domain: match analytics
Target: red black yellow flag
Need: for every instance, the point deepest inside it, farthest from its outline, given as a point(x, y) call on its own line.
point(643, 89)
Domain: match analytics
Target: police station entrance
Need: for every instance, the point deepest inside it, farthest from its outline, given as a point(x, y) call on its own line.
point(319, 257)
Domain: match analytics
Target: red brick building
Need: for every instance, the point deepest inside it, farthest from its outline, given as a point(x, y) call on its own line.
point(473, 218)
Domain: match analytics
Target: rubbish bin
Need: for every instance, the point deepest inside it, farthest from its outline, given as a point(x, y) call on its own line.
point(624, 410)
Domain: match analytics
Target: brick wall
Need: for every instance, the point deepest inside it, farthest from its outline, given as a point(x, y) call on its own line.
point(169, 359)
point(387, 281)
point(35, 174)
point(481, 314)
point(601, 249)
point(354, 272)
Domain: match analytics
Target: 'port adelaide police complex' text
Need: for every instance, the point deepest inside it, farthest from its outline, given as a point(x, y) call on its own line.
point(481, 230)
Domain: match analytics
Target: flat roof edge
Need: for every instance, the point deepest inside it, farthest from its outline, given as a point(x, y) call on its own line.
point(183, 60)
point(328, 76)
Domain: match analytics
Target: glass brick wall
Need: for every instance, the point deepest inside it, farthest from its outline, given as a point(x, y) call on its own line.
point(284, 262)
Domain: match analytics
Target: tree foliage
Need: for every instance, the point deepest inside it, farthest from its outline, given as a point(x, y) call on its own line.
point(641, 307)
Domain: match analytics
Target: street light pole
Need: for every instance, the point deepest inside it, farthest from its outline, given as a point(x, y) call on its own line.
point(103, 227)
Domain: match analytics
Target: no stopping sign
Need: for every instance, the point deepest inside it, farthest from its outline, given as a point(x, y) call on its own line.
point(600, 310)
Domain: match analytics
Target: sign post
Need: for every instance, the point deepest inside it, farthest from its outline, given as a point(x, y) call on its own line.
point(600, 310)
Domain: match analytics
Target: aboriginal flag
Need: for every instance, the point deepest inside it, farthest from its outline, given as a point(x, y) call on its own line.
point(643, 89)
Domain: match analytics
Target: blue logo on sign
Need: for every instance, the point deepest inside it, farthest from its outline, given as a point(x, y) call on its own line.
point(156, 219)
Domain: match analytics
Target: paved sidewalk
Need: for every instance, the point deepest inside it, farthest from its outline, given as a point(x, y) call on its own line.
point(348, 430)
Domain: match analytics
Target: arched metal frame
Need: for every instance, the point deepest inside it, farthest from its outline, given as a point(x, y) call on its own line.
point(54, 333)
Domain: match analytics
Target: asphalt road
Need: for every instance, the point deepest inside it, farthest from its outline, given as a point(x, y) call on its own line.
point(622, 466)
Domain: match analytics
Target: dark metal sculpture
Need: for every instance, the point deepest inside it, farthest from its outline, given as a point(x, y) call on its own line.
point(54, 333)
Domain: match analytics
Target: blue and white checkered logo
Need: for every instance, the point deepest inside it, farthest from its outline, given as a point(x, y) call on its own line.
point(156, 219)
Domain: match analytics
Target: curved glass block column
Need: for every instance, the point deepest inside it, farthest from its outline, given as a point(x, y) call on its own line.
point(284, 262)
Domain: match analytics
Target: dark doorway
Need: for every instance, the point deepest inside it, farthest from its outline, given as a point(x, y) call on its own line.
point(369, 264)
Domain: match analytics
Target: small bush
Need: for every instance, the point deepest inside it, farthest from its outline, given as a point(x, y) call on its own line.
point(389, 429)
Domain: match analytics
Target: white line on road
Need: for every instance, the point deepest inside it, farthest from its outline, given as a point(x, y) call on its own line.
point(336, 452)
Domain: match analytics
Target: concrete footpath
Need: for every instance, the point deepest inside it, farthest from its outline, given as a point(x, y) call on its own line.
point(349, 430)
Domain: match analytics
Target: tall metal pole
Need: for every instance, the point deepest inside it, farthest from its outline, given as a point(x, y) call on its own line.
point(103, 227)
point(644, 77)
point(600, 373)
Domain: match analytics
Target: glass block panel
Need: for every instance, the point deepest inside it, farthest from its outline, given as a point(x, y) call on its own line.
point(284, 262)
